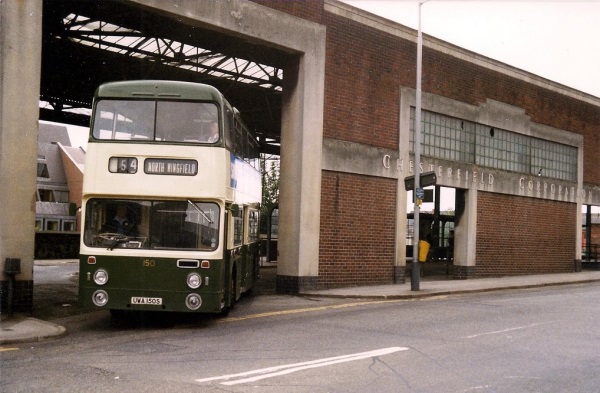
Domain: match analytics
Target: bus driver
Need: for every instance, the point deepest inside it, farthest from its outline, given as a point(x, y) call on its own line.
point(213, 132)
point(120, 223)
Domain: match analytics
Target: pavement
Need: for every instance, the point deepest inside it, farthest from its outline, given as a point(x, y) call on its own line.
point(431, 288)
point(21, 328)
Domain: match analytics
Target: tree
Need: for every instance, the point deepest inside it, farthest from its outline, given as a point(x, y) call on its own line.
point(270, 189)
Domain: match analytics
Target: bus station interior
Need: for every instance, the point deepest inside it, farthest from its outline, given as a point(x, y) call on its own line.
point(329, 88)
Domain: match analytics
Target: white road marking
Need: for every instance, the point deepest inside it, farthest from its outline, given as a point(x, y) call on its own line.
point(270, 372)
point(503, 331)
point(477, 388)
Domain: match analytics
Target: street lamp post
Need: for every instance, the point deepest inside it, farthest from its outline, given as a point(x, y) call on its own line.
point(414, 282)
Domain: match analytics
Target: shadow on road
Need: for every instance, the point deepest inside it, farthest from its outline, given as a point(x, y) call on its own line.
point(55, 301)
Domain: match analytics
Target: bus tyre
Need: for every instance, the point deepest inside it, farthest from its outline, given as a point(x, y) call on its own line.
point(232, 289)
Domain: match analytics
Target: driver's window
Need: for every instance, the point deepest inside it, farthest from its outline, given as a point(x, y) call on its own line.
point(115, 223)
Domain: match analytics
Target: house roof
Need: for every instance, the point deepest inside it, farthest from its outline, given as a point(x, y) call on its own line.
point(75, 154)
point(51, 133)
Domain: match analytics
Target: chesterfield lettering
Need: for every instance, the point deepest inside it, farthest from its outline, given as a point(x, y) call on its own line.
point(465, 178)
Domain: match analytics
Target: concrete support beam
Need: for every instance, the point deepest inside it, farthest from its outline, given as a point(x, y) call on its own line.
point(20, 70)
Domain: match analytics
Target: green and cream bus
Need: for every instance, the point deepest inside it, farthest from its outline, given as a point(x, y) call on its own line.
point(171, 199)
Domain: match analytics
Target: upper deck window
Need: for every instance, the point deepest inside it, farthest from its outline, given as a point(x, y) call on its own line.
point(161, 121)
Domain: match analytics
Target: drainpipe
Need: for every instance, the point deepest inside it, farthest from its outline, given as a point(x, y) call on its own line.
point(12, 267)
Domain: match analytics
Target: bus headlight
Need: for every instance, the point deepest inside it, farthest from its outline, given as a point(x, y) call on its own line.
point(193, 301)
point(194, 280)
point(100, 298)
point(100, 277)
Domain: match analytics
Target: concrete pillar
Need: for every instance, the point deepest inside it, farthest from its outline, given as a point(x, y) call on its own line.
point(407, 98)
point(579, 217)
point(300, 182)
point(465, 233)
point(20, 72)
point(401, 224)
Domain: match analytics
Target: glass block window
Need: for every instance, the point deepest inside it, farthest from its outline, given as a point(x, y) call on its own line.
point(445, 137)
point(554, 160)
point(458, 140)
point(500, 149)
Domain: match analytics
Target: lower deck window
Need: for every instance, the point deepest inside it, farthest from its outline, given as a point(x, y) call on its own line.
point(185, 225)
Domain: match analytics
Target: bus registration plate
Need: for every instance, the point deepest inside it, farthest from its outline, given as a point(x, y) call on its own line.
point(151, 301)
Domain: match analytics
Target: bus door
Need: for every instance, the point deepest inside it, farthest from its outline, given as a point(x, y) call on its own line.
point(233, 254)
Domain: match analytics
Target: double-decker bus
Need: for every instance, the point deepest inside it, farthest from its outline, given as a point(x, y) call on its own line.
point(171, 198)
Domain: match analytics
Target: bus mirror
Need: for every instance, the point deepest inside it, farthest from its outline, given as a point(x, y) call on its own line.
point(235, 209)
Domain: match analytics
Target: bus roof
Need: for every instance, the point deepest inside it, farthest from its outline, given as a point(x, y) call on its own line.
point(158, 89)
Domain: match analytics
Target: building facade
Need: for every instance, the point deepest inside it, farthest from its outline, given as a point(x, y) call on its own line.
point(520, 151)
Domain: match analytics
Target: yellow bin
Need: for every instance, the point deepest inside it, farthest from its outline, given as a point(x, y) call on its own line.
point(423, 250)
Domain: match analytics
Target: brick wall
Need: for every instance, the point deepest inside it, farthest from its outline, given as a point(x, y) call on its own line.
point(357, 230)
point(306, 9)
point(364, 69)
point(517, 235)
point(596, 234)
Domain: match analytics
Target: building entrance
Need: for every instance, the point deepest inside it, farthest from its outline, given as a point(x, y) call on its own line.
point(436, 227)
point(590, 235)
